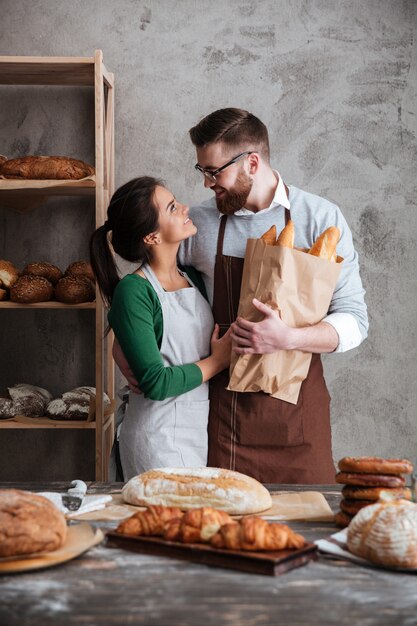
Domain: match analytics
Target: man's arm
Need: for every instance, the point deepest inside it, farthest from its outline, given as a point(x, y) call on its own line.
point(272, 334)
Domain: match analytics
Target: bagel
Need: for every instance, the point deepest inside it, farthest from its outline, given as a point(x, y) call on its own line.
point(374, 493)
point(342, 519)
point(351, 507)
point(372, 480)
point(375, 465)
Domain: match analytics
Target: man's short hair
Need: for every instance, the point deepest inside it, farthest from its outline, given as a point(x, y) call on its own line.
point(236, 128)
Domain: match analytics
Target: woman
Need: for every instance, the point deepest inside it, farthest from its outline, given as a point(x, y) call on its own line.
point(163, 324)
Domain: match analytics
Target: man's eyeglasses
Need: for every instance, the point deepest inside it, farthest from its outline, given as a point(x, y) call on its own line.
point(211, 174)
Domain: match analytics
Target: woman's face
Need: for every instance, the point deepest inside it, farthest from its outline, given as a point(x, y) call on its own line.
point(174, 223)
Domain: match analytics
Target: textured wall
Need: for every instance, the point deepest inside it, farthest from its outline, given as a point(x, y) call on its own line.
point(335, 81)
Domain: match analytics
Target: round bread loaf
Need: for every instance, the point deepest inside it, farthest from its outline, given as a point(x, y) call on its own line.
point(7, 408)
point(386, 533)
point(375, 465)
point(29, 523)
point(190, 487)
point(29, 400)
point(47, 270)
point(372, 480)
point(8, 273)
point(29, 289)
point(375, 493)
point(80, 268)
point(74, 290)
point(61, 409)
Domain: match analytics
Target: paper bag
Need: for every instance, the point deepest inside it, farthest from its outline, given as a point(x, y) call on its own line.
point(301, 286)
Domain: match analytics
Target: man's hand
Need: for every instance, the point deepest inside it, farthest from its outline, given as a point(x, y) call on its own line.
point(269, 335)
point(272, 334)
point(123, 365)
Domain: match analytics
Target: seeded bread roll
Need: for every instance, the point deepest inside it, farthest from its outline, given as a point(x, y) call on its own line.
point(8, 274)
point(47, 270)
point(80, 268)
point(74, 290)
point(29, 523)
point(29, 289)
point(190, 487)
point(46, 167)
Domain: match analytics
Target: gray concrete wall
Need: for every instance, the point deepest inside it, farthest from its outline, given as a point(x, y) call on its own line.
point(335, 81)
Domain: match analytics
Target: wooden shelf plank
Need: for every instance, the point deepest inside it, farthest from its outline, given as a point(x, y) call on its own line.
point(52, 304)
point(21, 421)
point(72, 71)
point(25, 195)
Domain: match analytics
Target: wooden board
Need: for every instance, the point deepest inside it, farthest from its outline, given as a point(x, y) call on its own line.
point(271, 563)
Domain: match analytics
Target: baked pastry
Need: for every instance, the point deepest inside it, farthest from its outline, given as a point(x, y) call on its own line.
point(73, 404)
point(47, 270)
point(190, 487)
point(80, 268)
point(74, 290)
point(375, 465)
point(150, 522)
point(197, 525)
point(386, 533)
point(375, 493)
point(254, 533)
point(270, 236)
point(372, 480)
point(29, 400)
point(286, 236)
point(325, 245)
point(29, 289)
point(3, 294)
point(353, 506)
point(46, 167)
point(342, 519)
point(8, 274)
point(29, 523)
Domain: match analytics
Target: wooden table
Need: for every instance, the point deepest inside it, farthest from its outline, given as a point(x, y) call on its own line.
point(115, 587)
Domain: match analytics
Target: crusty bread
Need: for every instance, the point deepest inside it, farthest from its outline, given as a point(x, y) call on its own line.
point(190, 487)
point(74, 290)
point(325, 245)
point(80, 268)
point(270, 236)
point(3, 294)
point(29, 523)
point(43, 268)
point(46, 167)
point(8, 274)
point(286, 236)
point(29, 289)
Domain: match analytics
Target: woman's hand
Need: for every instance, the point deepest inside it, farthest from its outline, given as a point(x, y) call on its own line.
point(221, 348)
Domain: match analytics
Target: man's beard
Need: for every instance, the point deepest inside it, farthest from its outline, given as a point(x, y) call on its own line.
point(235, 198)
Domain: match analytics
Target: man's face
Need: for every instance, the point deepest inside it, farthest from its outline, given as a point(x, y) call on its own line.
point(233, 184)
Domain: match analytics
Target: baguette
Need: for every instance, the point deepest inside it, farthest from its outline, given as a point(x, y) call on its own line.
point(270, 236)
point(325, 246)
point(286, 236)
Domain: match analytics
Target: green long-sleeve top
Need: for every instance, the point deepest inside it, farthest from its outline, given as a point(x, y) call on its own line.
point(136, 319)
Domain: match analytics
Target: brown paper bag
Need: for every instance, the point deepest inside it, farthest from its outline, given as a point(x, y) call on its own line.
point(302, 286)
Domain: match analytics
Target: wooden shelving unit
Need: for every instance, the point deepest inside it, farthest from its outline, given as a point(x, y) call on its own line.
point(25, 194)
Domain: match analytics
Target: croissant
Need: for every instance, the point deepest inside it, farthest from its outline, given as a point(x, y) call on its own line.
point(254, 533)
point(325, 245)
point(286, 236)
point(197, 525)
point(149, 522)
point(270, 236)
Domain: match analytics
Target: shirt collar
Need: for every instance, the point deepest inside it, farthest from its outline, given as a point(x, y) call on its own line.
point(280, 199)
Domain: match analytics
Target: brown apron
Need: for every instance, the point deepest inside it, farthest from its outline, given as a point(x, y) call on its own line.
point(272, 440)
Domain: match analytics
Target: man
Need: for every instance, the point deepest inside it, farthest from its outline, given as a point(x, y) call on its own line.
point(269, 439)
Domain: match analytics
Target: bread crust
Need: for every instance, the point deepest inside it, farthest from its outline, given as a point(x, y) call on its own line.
point(374, 493)
point(29, 289)
point(325, 245)
point(270, 236)
point(80, 268)
point(8, 273)
point(286, 236)
point(43, 268)
point(74, 290)
point(46, 167)
point(375, 465)
point(351, 507)
point(29, 523)
point(372, 480)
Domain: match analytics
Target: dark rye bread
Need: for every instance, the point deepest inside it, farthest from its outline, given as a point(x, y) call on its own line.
point(29, 523)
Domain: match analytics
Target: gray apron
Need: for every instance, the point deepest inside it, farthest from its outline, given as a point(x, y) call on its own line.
point(171, 432)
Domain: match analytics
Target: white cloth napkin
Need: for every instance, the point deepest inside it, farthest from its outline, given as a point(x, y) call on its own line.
point(90, 503)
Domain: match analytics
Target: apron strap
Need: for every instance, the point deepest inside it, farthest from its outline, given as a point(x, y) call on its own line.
point(220, 236)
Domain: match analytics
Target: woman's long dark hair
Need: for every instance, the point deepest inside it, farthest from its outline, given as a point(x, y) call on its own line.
point(131, 215)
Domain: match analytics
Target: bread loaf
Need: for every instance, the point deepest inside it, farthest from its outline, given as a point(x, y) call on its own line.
point(29, 289)
point(46, 167)
point(80, 268)
point(73, 404)
point(29, 400)
point(74, 290)
point(3, 294)
point(325, 245)
point(8, 274)
point(270, 236)
point(286, 236)
point(29, 523)
point(187, 488)
point(47, 270)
